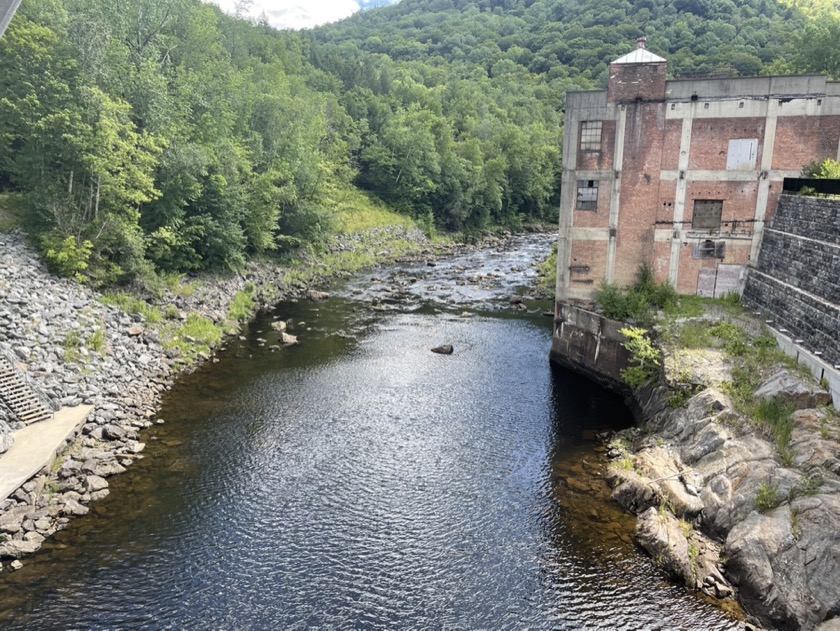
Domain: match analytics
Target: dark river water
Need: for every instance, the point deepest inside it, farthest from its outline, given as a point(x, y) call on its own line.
point(358, 480)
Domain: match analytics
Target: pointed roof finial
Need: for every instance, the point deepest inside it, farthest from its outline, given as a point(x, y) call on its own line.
point(641, 41)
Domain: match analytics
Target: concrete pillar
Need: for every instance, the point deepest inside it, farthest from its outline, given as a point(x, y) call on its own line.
point(680, 199)
point(615, 198)
point(763, 193)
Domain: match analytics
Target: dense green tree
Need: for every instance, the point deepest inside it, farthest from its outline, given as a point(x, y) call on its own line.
point(165, 134)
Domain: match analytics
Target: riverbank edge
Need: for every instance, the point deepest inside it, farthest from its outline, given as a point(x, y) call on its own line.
point(697, 475)
point(125, 373)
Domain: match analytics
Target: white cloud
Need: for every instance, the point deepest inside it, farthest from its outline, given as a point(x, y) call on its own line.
point(296, 14)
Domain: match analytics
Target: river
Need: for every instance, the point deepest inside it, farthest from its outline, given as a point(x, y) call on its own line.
point(358, 480)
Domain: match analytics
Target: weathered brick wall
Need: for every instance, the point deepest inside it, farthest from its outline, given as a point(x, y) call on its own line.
point(797, 277)
point(632, 82)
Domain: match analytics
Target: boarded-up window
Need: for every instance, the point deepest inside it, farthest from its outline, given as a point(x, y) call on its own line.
point(590, 135)
point(709, 249)
point(707, 214)
point(741, 155)
point(587, 195)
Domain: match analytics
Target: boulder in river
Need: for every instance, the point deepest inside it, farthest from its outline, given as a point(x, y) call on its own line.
point(444, 349)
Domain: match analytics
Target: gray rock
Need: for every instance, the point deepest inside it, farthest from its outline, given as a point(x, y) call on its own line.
point(7, 438)
point(445, 349)
point(12, 520)
point(791, 389)
point(16, 549)
point(113, 432)
point(95, 483)
point(69, 468)
point(73, 507)
point(105, 468)
point(786, 562)
point(288, 340)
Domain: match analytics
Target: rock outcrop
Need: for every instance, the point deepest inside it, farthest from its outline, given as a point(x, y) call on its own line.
point(776, 520)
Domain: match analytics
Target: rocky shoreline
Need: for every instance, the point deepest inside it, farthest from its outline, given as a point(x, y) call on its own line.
point(75, 349)
point(721, 509)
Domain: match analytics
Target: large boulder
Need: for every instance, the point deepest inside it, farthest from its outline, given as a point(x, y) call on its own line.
point(791, 389)
point(683, 551)
point(16, 549)
point(787, 562)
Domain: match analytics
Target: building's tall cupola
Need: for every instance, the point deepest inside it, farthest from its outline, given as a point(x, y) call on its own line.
point(637, 76)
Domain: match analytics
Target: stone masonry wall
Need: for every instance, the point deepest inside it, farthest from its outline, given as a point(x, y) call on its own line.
point(797, 277)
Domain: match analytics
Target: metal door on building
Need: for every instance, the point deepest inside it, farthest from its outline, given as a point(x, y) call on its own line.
point(716, 282)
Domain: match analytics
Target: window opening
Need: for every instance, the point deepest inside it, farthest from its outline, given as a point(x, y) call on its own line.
point(590, 135)
point(587, 195)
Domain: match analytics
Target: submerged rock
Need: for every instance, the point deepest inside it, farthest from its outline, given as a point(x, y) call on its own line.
point(287, 339)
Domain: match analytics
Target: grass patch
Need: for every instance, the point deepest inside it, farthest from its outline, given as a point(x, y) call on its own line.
point(548, 272)
point(778, 419)
point(194, 336)
point(177, 284)
point(694, 334)
point(795, 523)
point(132, 305)
point(625, 463)
point(357, 211)
point(96, 342)
point(242, 305)
point(687, 307)
point(733, 338)
point(72, 346)
point(767, 498)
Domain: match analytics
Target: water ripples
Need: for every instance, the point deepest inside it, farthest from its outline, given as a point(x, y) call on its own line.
point(382, 487)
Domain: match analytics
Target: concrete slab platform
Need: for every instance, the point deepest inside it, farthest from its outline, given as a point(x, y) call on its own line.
point(36, 445)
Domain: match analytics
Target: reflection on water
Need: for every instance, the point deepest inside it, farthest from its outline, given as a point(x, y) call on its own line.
point(362, 483)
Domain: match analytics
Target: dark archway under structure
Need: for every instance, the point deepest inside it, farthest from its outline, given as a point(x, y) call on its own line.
point(7, 11)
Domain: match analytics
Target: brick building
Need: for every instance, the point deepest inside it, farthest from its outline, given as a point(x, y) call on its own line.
point(681, 174)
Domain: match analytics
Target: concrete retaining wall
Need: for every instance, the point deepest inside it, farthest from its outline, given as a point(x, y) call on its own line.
point(590, 344)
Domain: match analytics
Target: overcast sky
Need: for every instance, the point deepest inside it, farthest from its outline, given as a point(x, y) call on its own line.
point(298, 13)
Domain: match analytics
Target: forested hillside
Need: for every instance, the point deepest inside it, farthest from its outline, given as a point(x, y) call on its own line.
point(148, 135)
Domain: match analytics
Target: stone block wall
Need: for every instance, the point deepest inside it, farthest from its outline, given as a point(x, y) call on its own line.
point(811, 217)
point(796, 281)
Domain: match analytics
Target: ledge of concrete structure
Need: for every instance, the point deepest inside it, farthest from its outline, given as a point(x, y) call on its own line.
point(821, 370)
point(36, 446)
